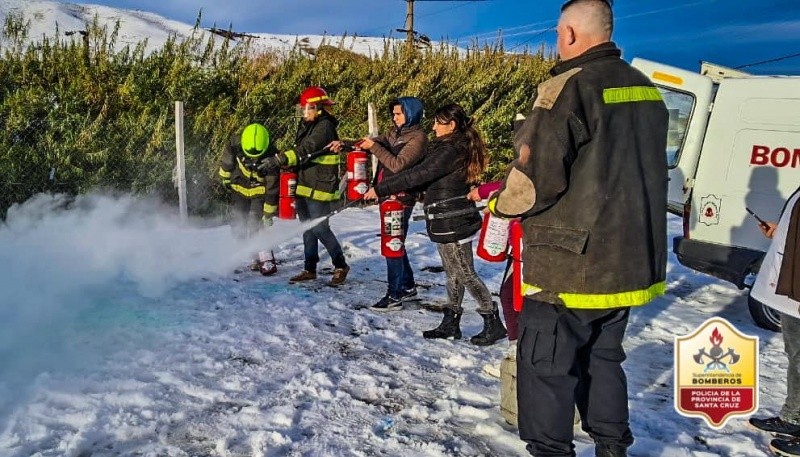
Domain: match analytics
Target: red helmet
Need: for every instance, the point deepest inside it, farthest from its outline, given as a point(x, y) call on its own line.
point(314, 95)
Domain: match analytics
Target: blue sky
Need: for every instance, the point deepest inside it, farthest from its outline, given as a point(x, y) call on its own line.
point(677, 32)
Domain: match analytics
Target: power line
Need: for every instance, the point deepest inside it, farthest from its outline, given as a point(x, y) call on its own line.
point(531, 38)
point(777, 59)
point(532, 24)
point(539, 32)
point(432, 13)
point(411, 35)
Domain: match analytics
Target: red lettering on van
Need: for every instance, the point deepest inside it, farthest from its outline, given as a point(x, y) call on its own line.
point(760, 155)
point(779, 157)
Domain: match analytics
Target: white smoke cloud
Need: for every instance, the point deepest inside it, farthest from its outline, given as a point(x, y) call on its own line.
point(76, 272)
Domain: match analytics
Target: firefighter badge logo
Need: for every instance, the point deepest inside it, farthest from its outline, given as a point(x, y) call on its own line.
point(716, 373)
point(709, 209)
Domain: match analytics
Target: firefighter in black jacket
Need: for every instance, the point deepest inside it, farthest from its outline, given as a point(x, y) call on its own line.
point(590, 184)
point(317, 182)
point(255, 191)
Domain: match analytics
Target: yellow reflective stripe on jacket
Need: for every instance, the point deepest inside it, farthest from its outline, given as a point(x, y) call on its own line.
point(270, 209)
point(247, 173)
point(291, 158)
point(328, 159)
point(249, 191)
point(305, 191)
point(631, 94)
point(224, 174)
point(605, 301)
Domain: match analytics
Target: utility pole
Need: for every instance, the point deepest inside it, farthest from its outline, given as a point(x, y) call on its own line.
point(85, 37)
point(410, 22)
point(411, 34)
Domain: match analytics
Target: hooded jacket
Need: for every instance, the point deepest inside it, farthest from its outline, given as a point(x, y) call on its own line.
point(442, 175)
point(590, 184)
point(401, 147)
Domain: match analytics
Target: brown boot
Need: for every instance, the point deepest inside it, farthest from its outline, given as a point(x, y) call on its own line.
point(339, 275)
point(304, 275)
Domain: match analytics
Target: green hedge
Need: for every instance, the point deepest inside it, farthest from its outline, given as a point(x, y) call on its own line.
point(104, 118)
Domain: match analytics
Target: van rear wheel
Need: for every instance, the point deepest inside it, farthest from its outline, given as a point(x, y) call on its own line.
point(763, 315)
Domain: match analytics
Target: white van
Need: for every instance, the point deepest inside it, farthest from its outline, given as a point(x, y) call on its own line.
point(734, 143)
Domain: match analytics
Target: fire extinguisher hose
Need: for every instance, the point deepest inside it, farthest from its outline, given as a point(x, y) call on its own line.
point(446, 200)
point(447, 215)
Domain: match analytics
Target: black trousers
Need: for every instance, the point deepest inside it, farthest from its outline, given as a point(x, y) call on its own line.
point(566, 358)
point(247, 214)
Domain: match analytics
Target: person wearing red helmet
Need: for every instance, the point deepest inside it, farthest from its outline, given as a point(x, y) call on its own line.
point(317, 181)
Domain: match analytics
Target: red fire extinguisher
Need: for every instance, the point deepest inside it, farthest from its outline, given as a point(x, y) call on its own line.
point(493, 242)
point(392, 239)
point(357, 184)
point(286, 192)
point(516, 255)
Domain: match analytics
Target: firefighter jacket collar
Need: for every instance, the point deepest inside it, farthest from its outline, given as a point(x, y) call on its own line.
point(608, 49)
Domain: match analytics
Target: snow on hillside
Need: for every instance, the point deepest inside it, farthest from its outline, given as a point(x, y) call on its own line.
point(124, 333)
point(136, 25)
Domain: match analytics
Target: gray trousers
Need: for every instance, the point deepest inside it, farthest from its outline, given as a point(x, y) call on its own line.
point(791, 342)
point(460, 271)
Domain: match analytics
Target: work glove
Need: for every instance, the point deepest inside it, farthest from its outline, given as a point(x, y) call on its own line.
point(266, 220)
point(269, 163)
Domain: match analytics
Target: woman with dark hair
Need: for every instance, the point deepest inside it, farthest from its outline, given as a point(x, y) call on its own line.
point(455, 160)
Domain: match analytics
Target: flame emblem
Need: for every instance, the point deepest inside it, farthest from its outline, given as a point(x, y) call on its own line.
point(716, 337)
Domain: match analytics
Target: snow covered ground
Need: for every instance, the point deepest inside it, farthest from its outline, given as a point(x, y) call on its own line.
point(123, 333)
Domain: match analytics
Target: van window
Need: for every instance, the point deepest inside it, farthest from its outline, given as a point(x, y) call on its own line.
point(680, 105)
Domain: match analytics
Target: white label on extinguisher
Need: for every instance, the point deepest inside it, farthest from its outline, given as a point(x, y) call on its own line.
point(495, 239)
point(360, 169)
point(361, 188)
point(394, 225)
point(292, 187)
point(394, 244)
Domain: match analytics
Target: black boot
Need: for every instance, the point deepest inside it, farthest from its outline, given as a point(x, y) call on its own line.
point(493, 330)
point(604, 450)
point(449, 328)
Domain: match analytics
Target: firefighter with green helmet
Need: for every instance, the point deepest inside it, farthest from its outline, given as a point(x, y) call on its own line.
point(254, 190)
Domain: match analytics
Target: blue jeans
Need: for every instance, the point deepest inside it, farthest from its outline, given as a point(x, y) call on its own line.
point(398, 270)
point(308, 209)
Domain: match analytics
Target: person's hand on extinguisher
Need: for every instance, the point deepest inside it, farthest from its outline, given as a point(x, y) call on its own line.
point(365, 143)
point(474, 195)
point(346, 146)
point(370, 194)
point(275, 161)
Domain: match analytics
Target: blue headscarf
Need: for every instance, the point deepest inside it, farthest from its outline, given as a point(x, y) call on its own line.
point(412, 108)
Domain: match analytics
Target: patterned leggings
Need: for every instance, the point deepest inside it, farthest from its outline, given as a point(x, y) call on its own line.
point(460, 271)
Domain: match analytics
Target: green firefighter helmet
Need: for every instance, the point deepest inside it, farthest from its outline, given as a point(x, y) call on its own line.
point(255, 140)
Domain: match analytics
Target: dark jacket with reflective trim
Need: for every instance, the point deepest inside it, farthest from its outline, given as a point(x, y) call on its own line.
point(320, 173)
point(245, 179)
point(590, 183)
point(442, 174)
